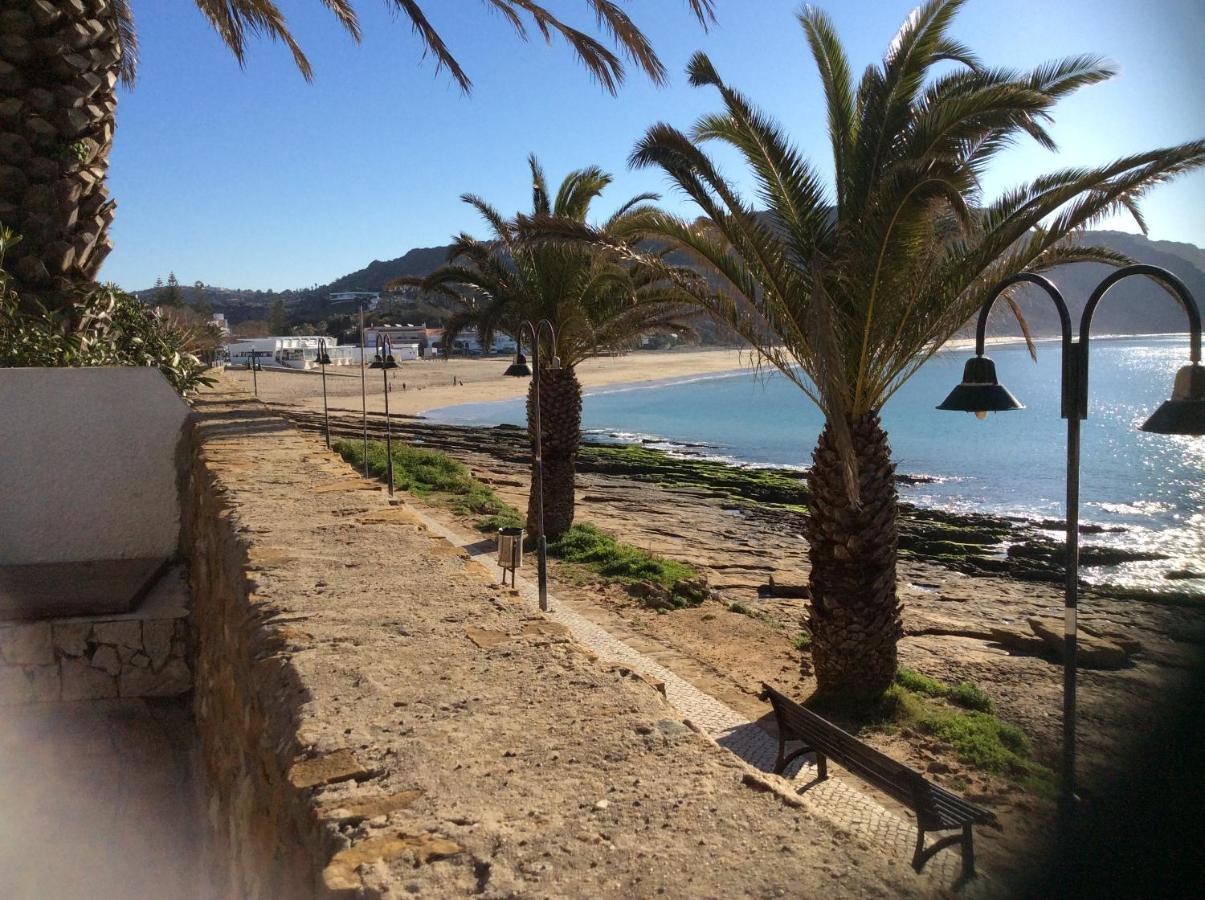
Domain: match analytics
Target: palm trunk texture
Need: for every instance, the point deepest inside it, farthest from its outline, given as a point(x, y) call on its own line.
point(561, 427)
point(58, 68)
point(854, 615)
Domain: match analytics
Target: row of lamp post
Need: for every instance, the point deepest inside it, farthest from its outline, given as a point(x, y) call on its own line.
point(980, 393)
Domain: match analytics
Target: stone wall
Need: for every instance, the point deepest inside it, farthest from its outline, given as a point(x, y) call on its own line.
point(377, 717)
point(139, 654)
point(260, 839)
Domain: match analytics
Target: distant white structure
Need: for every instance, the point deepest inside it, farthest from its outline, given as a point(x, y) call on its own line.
point(469, 342)
point(292, 351)
point(219, 322)
point(368, 298)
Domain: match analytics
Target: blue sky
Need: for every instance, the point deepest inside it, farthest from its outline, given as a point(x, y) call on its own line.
point(253, 178)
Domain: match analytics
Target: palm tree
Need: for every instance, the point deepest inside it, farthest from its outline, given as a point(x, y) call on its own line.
point(849, 288)
point(596, 302)
point(60, 62)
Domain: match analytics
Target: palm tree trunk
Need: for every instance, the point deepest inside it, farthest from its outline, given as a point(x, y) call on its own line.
point(58, 68)
point(854, 614)
point(561, 433)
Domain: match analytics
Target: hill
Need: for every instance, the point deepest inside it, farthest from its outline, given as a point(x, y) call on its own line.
point(1137, 306)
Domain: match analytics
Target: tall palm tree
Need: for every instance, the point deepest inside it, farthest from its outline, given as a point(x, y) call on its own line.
point(596, 301)
point(60, 61)
point(849, 288)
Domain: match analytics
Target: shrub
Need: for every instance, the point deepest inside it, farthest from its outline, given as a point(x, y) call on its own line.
point(802, 641)
point(103, 327)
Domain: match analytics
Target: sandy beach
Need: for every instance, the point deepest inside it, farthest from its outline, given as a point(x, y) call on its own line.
point(417, 386)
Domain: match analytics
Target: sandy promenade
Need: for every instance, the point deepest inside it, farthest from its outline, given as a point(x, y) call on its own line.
point(417, 386)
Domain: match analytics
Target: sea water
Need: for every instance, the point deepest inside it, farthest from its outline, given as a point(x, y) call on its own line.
point(1011, 463)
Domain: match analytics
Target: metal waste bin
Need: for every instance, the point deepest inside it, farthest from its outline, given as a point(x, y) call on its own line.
point(510, 551)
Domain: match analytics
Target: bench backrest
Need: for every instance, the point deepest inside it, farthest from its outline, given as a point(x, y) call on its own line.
point(890, 776)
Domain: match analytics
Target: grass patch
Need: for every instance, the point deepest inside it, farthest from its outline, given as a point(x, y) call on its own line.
point(737, 607)
point(971, 696)
point(964, 694)
point(589, 546)
point(436, 478)
point(802, 641)
point(978, 739)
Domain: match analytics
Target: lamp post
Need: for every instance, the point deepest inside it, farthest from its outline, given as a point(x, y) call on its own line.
point(255, 367)
point(1184, 413)
point(324, 360)
point(519, 369)
point(384, 361)
point(363, 383)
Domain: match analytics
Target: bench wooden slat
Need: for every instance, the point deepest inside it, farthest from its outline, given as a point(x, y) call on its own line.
point(936, 808)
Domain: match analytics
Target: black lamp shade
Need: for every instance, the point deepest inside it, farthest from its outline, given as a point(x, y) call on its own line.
point(980, 391)
point(519, 368)
point(1184, 413)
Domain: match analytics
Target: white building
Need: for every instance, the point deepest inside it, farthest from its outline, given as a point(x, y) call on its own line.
point(469, 342)
point(293, 352)
point(368, 298)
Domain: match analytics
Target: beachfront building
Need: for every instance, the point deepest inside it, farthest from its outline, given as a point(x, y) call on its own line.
point(421, 336)
point(468, 342)
point(292, 351)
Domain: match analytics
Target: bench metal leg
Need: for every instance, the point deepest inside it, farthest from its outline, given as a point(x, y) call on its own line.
point(967, 839)
point(968, 852)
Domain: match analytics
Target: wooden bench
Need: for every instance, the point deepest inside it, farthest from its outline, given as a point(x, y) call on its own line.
point(936, 808)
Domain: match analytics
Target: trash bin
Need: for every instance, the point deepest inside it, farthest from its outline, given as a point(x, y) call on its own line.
point(510, 551)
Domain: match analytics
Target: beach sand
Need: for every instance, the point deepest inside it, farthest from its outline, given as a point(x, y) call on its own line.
point(417, 386)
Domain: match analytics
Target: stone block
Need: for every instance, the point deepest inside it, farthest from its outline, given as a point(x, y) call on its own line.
point(14, 686)
point(71, 638)
point(44, 683)
point(331, 768)
point(171, 681)
point(105, 659)
point(124, 634)
point(140, 660)
point(26, 644)
point(82, 682)
point(157, 640)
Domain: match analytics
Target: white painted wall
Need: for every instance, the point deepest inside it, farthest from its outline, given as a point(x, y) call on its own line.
point(88, 464)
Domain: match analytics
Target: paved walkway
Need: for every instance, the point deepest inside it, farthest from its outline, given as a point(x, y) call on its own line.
point(861, 816)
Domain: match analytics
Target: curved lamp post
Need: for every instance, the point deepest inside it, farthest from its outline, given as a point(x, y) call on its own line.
point(384, 361)
point(255, 368)
point(520, 369)
point(324, 360)
point(363, 383)
point(980, 393)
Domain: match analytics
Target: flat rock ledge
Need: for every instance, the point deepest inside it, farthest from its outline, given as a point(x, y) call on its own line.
point(378, 718)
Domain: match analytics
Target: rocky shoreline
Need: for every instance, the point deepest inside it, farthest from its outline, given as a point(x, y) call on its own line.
point(971, 543)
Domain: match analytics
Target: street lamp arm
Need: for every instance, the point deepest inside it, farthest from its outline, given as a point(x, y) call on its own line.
point(1024, 277)
point(1169, 281)
point(1072, 382)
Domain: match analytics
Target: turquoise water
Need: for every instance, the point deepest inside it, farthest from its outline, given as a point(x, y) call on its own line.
point(1012, 463)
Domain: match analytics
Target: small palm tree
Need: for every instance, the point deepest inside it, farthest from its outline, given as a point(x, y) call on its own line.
point(848, 289)
point(63, 58)
point(596, 301)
